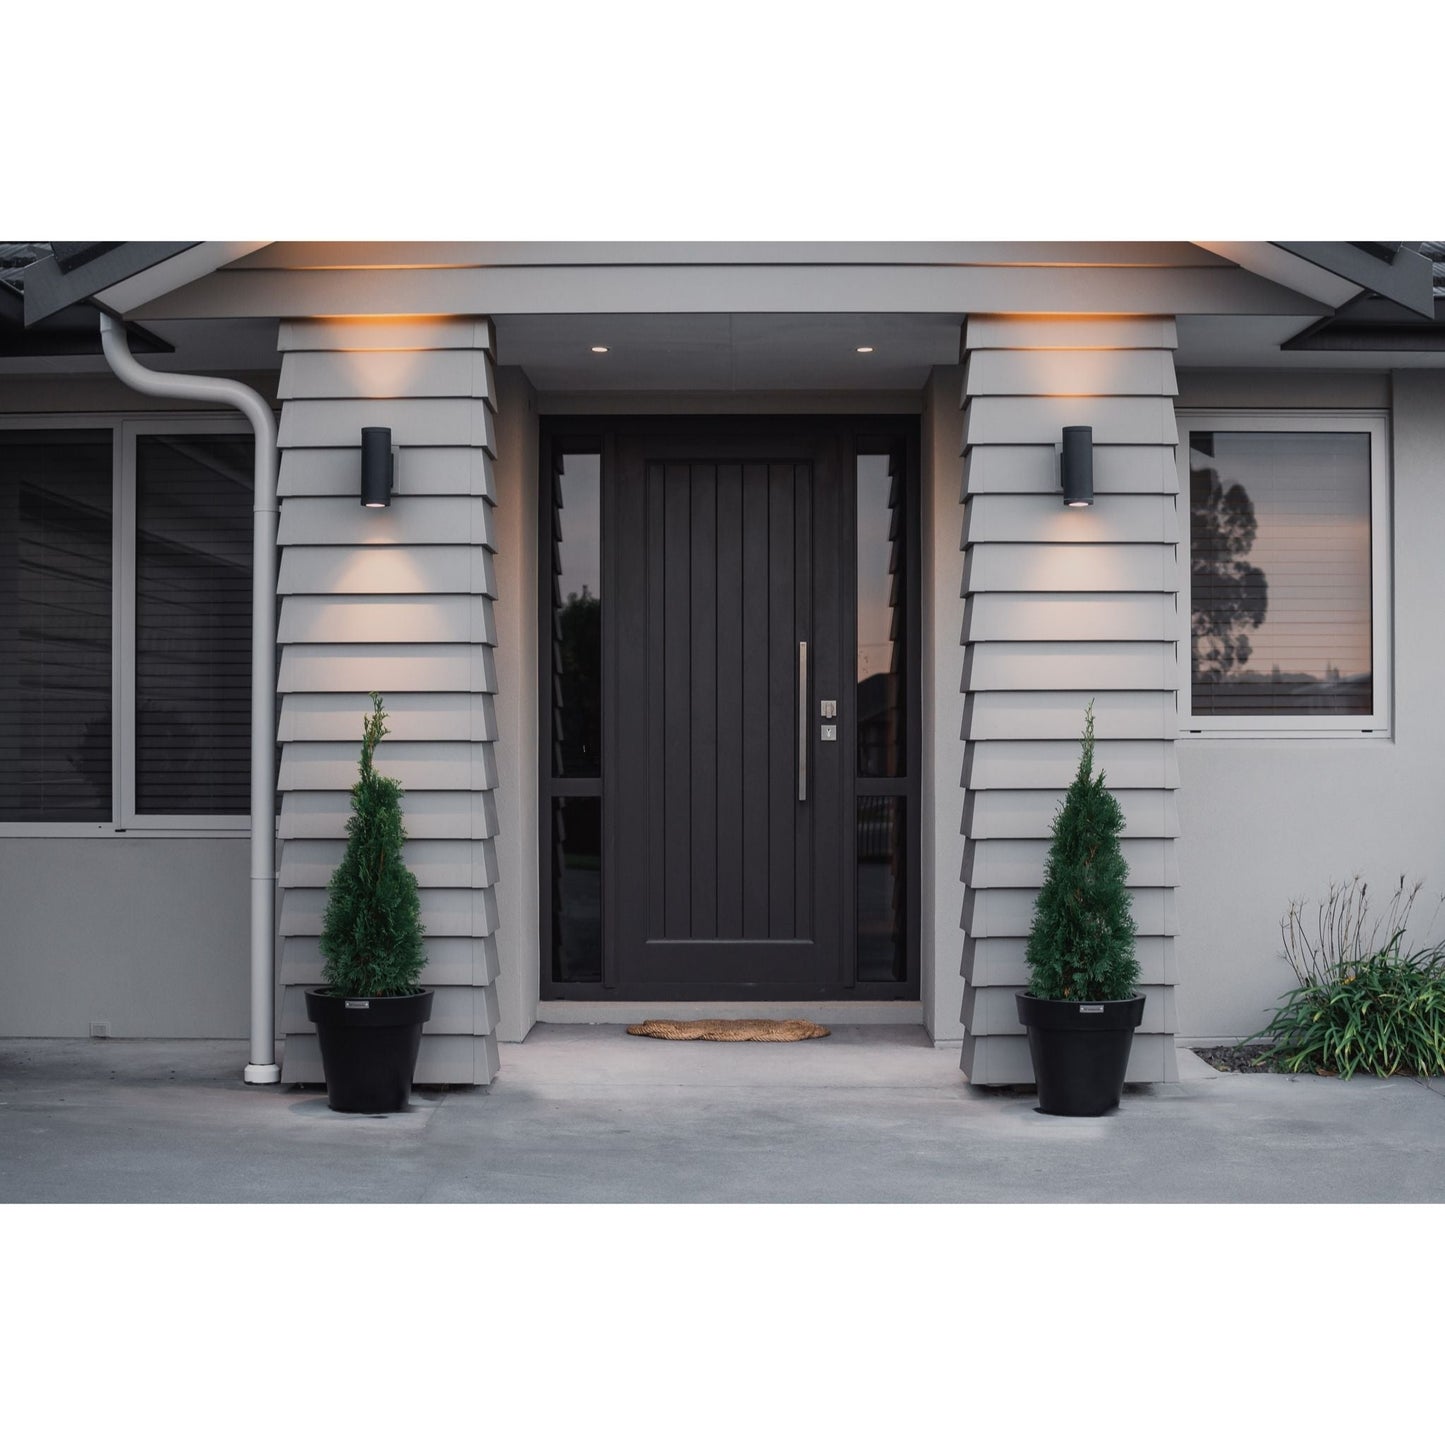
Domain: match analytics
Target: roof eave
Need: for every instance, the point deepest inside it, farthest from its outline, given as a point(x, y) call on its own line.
point(1399, 275)
point(126, 275)
point(50, 287)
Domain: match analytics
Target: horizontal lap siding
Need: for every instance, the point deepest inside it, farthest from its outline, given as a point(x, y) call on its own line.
point(400, 602)
point(1062, 608)
point(443, 716)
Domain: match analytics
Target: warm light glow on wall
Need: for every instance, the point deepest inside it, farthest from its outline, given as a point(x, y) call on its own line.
point(1101, 318)
point(397, 318)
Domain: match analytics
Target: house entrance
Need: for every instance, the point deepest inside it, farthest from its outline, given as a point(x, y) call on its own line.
point(729, 779)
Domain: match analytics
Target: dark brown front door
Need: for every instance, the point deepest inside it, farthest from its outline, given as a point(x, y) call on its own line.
point(725, 874)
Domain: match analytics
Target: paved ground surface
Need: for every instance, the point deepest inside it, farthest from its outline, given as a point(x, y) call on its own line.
point(585, 1113)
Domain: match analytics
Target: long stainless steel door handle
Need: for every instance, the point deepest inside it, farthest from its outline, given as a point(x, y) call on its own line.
point(802, 722)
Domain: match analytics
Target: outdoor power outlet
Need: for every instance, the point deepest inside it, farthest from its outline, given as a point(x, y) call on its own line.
point(99, 1028)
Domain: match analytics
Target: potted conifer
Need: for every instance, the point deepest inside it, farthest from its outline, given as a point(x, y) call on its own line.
point(370, 1014)
point(1081, 1008)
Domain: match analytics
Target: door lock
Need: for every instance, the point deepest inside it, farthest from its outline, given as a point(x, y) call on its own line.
point(829, 733)
point(828, 707)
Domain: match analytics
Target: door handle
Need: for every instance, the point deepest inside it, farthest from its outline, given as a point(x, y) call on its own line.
point(802, 722)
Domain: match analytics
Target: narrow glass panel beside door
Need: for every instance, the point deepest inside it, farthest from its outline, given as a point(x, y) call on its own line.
point(577, 616)
point(882, 887)
point(572, 717)
point(576, 890)
point(881, 613)
point(882, 890)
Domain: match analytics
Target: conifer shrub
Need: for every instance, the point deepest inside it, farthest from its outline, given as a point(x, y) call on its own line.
point(371, 936)
point(1081, 942)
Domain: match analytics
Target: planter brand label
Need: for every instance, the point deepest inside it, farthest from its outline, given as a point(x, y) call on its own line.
point(1084, 1008)
point(358, 1003)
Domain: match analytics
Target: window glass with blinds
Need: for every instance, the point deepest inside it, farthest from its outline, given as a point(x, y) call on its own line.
point(56, 587)
point(125, 553)
point(1286, 591)
point(193, 623)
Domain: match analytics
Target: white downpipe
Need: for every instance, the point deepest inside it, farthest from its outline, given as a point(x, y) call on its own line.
point(263, 1068)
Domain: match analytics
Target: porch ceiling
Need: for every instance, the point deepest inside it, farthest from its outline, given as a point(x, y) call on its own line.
point(728, 352)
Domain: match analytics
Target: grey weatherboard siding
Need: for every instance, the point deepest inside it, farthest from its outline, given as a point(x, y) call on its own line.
point(399, 602)
point(1062, 606)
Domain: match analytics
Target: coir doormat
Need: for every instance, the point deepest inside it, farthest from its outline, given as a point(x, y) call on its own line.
point(731, 1031)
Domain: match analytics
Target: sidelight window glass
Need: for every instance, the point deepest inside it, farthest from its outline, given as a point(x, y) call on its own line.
point(576, 890)
point(882, 786)
point(882, 889)
point(882, 612)
point(577, 616)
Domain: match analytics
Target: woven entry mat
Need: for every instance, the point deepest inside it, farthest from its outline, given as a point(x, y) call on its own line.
point(731, 1031)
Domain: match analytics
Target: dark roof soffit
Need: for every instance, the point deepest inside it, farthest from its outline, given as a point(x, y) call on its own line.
point(72, 332)
point(80, 269)
point(1400, 275)
point(1373, 324)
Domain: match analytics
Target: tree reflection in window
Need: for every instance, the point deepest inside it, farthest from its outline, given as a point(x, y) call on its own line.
point(1228, 596)
point(1280, 573)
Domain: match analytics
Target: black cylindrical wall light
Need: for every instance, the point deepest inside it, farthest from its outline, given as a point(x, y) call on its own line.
point(376, 469)
point(1076, 466)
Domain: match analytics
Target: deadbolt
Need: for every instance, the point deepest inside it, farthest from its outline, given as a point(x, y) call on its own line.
point(829, 732)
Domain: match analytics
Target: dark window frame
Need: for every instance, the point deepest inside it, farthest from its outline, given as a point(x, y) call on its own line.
point(860, 436)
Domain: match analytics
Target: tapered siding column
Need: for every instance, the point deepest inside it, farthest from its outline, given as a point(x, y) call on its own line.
point(1063, 606)
point(397, 602)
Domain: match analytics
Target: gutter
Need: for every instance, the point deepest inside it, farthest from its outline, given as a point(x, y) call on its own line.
point(263, 1068)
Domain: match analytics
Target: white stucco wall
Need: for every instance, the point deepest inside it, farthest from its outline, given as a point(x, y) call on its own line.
point(515, 516)
point(941, 906)
point(150, 935)
point(1264, 821)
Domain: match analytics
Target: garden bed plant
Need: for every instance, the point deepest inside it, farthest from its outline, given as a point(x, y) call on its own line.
point(1365, 1002)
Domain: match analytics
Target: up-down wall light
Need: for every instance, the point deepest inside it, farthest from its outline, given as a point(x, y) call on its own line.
point(377, 466)
point(1076, 466)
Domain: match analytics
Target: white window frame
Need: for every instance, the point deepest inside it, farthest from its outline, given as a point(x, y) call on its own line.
point(125, 428)
point(1325, 725)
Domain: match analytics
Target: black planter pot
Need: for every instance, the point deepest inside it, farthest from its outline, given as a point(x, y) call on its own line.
point(368, 1048)
point(1080, 1051)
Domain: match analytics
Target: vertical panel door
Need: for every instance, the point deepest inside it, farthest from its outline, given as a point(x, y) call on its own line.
point(723, 849)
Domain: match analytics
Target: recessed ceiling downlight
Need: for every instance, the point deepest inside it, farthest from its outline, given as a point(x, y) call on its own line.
point(600, 350)
point(865, 351)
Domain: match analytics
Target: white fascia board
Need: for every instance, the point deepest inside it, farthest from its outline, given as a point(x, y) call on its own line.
point(1267, 260)
point(190, 265)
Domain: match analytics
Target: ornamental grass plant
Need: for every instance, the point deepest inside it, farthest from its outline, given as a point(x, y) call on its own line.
point(371, 936)
point(1364, 1002)
point(1081, 942)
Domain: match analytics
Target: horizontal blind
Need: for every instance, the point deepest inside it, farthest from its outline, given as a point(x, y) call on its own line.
point(193, 624)
point(55, 625)
point(1280, 573)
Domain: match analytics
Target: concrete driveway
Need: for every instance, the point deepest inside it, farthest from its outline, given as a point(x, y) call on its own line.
point(579, 1113)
